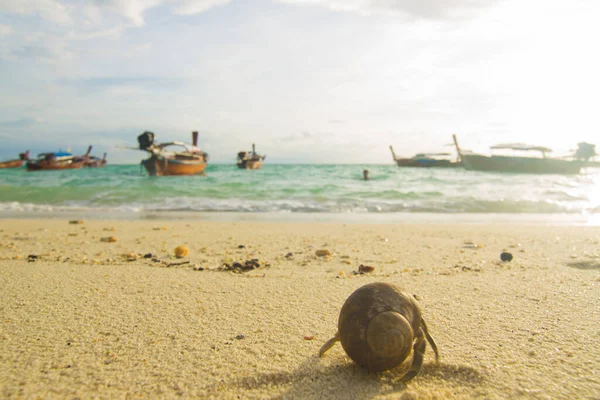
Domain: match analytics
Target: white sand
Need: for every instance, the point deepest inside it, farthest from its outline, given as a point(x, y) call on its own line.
point(82, 321)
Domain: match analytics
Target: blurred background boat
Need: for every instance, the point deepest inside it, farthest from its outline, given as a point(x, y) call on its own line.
point(95, 162)
point(426, 160)
point(518, 164)
point(57, 161)
point(172, 158)
point(17, 162)
point(250, 159)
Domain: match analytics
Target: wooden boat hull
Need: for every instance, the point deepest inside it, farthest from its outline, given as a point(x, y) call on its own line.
point(160, 166)
point(250, 160)
point(527, 165)
point(592, 164)
point(11, 164)
point(49, 165)
point(50, 162)
point(17, 162)
point(250, 164)
point(426, 163)
point(95, 164)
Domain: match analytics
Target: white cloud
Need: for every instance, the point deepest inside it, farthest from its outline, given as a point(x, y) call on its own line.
point(52, 10)
point(98, 11)
point(133, 10)
point(5, 30)
point(110, 33)
point(430, 9)
point(36, 46)
point(399, 76)
point(187, 7)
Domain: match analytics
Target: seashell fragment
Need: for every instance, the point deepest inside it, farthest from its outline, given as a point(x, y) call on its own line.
point(365, 269)
point(109, 239)
point(130, 256)
point(181, 251)
point(323, 253)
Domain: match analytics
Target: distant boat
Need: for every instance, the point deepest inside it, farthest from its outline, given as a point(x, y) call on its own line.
point(518, 164)
point(250, 160)
point(592, 164)
point(587, 152)
point(95, 162)
point(426, 160)
point(15, 163)
point(57, 161)
point(172, 158)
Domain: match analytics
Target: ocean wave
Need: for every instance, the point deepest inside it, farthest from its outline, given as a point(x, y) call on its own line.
point(296, 206)
point(298, 189)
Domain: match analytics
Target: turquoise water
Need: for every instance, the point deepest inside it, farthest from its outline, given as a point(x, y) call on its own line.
point(312, 189)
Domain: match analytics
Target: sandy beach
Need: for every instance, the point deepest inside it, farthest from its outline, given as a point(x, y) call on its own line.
point(103, 309)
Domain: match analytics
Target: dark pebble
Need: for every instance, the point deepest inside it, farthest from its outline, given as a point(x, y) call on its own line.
point(506, 256)
point(149, 255)
point(241, 246)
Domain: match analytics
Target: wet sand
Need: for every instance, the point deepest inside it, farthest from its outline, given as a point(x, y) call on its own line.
point(92, 318)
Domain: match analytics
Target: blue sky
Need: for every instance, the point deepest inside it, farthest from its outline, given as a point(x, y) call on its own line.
point(325, 81)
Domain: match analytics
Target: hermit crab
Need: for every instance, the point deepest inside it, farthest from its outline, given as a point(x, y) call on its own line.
point(378, 326)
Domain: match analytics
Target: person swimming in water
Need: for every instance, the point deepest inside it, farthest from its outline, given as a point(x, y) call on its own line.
point(366, 174)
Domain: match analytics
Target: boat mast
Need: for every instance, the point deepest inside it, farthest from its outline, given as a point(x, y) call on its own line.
point(457, 147)
point(393, 154)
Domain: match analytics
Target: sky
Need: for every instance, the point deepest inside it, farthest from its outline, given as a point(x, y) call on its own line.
point(308, 81)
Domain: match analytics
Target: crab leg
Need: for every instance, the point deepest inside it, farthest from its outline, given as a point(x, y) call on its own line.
point(430, 340)
point(417, 362)
point(329, 344)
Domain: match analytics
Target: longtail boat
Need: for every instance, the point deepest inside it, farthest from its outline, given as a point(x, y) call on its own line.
point(172, 158)
point(15, 163)
point(250, 159)
point(57, 161)
point(95, 162)
point(426, 160)
point(518, 164)
point(586, 152)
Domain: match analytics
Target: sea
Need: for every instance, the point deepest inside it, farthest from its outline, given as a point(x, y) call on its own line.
point(289, 192)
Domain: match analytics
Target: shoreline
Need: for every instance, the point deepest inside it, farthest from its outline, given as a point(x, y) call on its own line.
point(291, 217)
point(88, 317)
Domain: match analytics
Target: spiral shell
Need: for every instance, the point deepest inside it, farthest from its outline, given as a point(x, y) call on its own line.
point(378, 326)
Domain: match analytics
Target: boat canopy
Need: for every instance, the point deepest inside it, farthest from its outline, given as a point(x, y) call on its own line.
point(188, 147)
point(59, 153)
point(521, 146)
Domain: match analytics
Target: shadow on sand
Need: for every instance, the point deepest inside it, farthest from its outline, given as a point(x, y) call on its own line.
point(586, 265)
point(346, 380)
